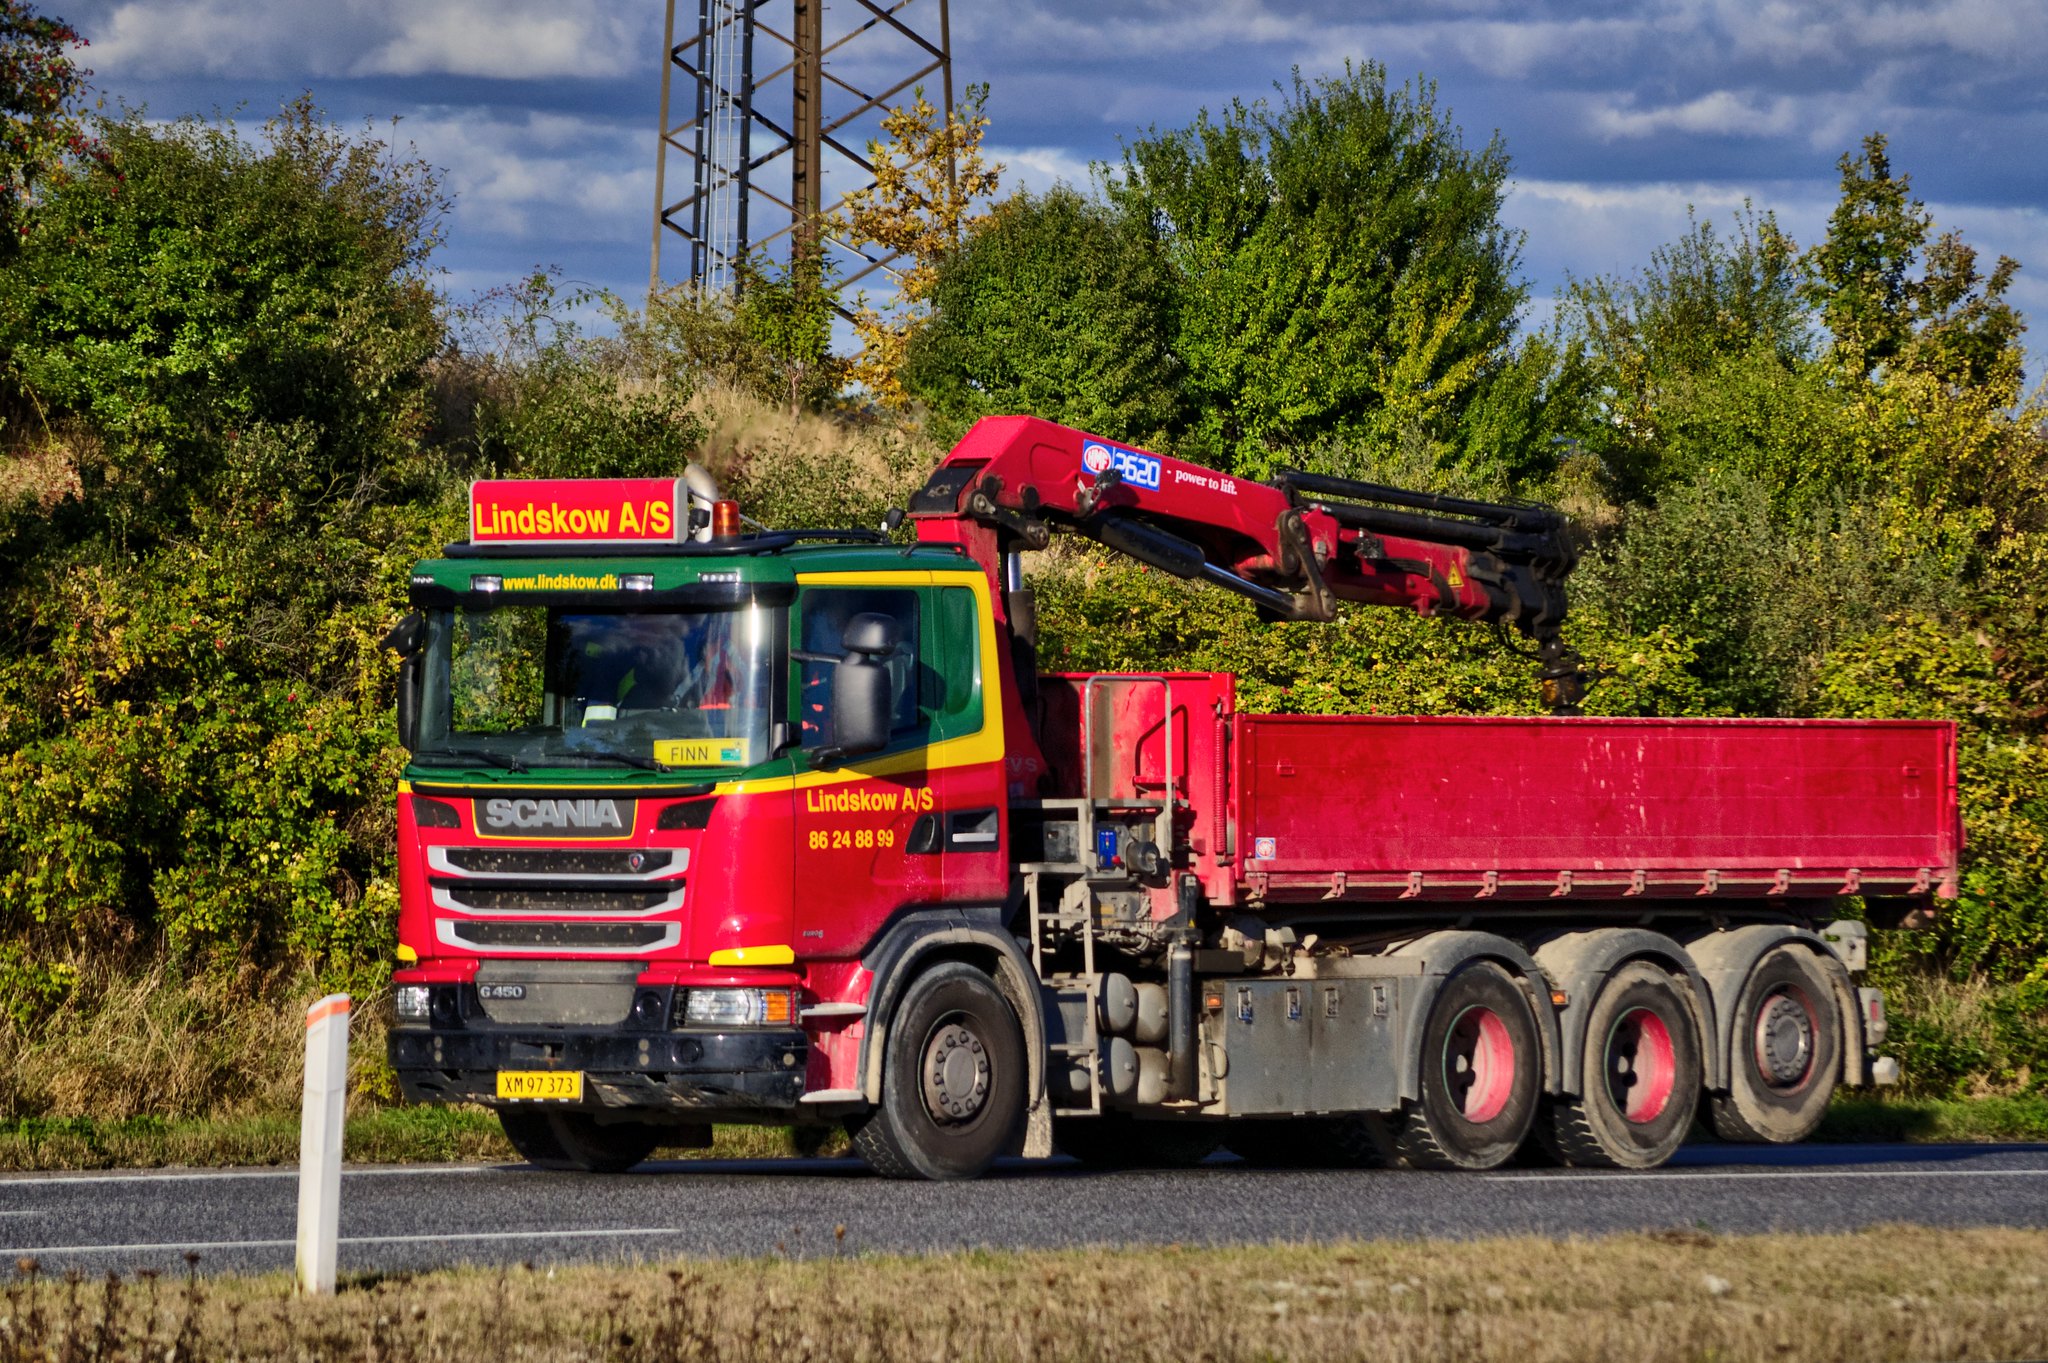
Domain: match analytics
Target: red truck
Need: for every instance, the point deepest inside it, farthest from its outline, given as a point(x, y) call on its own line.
point(709, 826)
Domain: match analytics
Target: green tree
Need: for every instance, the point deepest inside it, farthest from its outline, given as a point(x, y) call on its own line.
point(785, 315)
point(538, 398)
point(1342, 267)
point(1058, 306)
point(231, 340)
point(41, 131)
point(199, 285)
point(1708, 312)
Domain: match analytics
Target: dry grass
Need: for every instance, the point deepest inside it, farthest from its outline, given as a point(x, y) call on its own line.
point(41, 472)
point(1899, 1293)
point(798, 469)
point(167, 1046)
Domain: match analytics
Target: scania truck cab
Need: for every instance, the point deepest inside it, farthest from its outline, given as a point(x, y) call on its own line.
point(643, 781)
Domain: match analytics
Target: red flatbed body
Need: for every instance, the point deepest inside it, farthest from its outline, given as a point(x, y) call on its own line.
point(1291, 808)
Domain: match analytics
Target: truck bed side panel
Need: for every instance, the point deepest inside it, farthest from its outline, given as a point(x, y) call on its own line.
point(1428, 807)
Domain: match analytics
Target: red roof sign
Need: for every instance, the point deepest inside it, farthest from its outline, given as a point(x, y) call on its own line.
point(578, 511)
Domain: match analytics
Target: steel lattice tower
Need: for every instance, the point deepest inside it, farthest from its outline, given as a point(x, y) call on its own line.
point(769, 154)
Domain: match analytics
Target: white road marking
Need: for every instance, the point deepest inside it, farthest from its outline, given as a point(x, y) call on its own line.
point(212, 1175)
point(189, 1245)
point(1651, 1175)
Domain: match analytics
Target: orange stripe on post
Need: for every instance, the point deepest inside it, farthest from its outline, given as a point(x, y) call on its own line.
point(326, 1010)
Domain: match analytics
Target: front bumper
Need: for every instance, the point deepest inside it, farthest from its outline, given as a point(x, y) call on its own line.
point(738, 1071)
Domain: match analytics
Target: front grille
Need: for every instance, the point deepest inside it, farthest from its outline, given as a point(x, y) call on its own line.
point(562, 861)
point(487, 899)
point(562, 936)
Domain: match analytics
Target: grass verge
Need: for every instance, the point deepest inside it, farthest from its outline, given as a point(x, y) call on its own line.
point(1862, 1117)
point(1897, 1293)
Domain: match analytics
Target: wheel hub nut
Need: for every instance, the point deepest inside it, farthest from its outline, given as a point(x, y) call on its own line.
point(956, 1074)
point(1784, 1037)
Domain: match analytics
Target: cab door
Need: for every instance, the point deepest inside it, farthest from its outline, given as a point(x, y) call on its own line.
point(965, 708)
point(863, 850)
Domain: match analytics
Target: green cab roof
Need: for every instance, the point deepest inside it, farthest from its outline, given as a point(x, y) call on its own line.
point(602, 572)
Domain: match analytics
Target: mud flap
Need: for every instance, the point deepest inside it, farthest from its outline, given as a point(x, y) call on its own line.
point(1038, 1130)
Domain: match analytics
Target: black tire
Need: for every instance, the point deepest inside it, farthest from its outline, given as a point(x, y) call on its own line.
point(603, 1147)
point(533, 1136)
point(1306, 1143)
point(1113, 1141)
point(953, 1080)
point(1784, 1053)
point(1642, 1076)
point(577, 1140)
point(1482, 1071)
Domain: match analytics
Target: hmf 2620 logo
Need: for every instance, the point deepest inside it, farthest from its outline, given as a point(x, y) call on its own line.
point(1139, 470)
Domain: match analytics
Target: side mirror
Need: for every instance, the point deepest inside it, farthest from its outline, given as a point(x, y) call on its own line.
point(407, 635)
point(409, 701)
point(863, 701)
point(406, 639)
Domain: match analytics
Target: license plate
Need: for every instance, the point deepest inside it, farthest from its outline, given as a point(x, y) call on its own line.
point(557, 1086)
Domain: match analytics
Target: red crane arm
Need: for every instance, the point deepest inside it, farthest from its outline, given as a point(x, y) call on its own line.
point(1295, 547)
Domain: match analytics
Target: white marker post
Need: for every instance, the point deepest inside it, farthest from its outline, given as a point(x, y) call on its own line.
point(320, 1142)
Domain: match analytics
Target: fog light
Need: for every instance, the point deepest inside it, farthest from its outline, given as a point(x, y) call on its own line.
point(648, 1007)
point(740, 1007)
point(413, 1002)
point(485, 582)
point(637, 582)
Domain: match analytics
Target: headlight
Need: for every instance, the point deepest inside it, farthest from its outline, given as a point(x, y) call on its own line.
point(740, 1008)
point(412, 1002)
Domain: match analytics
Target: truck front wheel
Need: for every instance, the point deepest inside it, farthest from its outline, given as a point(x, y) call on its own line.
point(577, 1140)
point(1481, 1074)
point(953, 1080)
point(1641, 1079)
point(1785, 1053)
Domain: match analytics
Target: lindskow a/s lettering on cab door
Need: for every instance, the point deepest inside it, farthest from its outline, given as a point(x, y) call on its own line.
point(527, 816)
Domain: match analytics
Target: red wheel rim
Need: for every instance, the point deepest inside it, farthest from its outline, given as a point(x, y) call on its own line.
point(1479, 1064)
point(1642, 1068)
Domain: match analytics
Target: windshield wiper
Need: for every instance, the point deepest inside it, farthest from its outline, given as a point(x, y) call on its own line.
point(490, 759)
point(625, 759)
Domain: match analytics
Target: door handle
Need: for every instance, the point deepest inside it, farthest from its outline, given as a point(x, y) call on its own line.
point(973, 830)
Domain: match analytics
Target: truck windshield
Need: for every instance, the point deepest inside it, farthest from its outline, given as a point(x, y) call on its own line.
point(543, 686)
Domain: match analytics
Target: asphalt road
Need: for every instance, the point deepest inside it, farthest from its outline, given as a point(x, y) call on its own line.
point(428, 1216)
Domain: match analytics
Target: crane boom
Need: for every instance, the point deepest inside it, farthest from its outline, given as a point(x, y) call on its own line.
point(1295, 547)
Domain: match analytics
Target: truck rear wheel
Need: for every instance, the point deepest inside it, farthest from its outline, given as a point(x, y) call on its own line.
point(1785, 1053)
point(577, 1140)
point(953, 1080)
point(1641, 1079)
point(1481, 1073)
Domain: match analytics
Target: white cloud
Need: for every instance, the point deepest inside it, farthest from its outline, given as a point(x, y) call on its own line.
point(551, 178)
point(510, 41)
point(1721, 113)
point(1040, 168)
point(1587, 229)
point(507, 39)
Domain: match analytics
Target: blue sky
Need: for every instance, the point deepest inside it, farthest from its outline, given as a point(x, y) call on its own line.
point(1618, 116)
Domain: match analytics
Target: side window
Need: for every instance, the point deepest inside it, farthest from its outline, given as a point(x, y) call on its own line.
point(958, 640)
point(821, 619)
